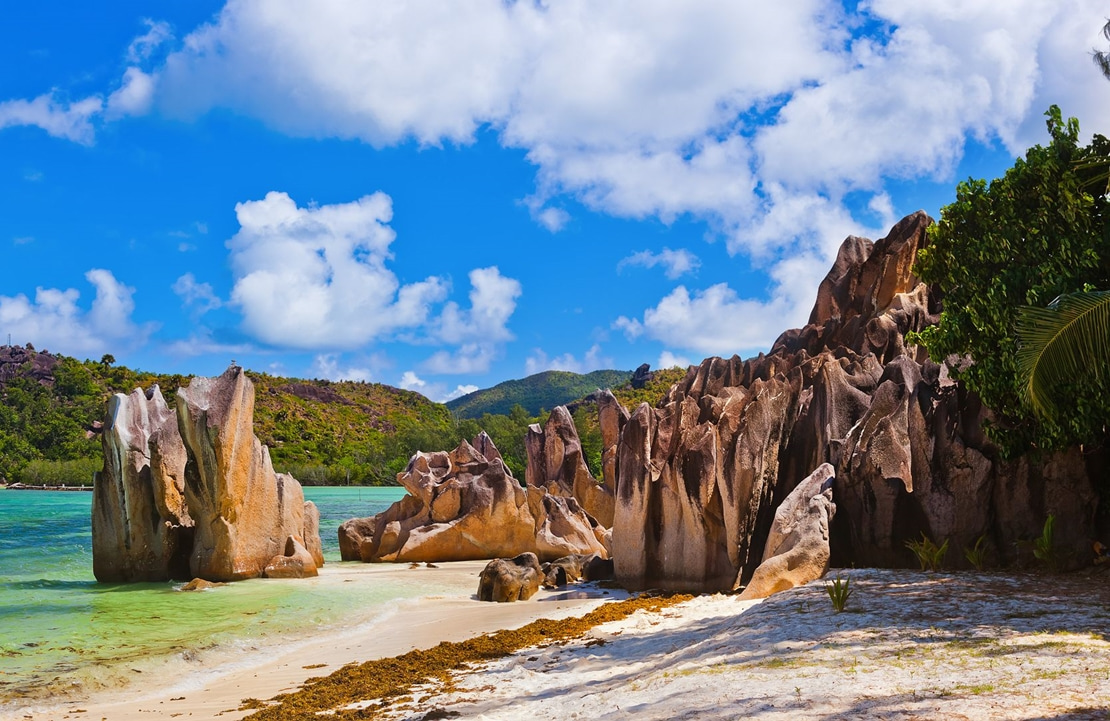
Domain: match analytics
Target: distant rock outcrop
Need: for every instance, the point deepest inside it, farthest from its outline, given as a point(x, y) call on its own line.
point(193, 494)
point(141, 528)
point(465, 505)
point(700, 476)
point(557, 465)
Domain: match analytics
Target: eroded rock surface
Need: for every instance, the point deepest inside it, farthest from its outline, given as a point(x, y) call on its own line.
point(141, 528)
point(797, 548)
point(557, 465)
point(193, 493)
point(701, 475)
point(465, 505)
point(504, 580)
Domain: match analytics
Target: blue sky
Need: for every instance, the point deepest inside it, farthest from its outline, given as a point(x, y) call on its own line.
point(445, 195)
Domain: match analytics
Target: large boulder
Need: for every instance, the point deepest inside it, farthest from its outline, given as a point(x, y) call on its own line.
point(465, 505)
point(295, 562)
point(510, 579)
point(243, 511)
point(700, 476)
point(557, 464)
point(141, 528)
point(797, 547)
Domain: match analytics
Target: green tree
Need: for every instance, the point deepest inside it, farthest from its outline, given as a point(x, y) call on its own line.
point(1065, 356)
point(1026, 238)
point(1102, 57)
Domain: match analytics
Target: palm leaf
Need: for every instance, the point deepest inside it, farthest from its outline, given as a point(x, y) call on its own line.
point(1067, 340)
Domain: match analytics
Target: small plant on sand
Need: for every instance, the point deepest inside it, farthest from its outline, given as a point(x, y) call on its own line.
point(928, 553)
point(977, 554)
point(1044, 547)
point(839, 592)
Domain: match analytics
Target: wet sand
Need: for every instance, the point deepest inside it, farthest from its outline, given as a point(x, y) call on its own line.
point(217, 691)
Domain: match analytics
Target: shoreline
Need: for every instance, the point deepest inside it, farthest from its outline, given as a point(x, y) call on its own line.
point(208, 690)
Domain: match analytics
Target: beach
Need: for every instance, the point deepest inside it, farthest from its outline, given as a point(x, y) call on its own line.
point(908, 645)
point(209, 689)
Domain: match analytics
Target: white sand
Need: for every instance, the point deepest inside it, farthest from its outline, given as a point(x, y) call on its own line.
point(910, 645)
point(211, 692)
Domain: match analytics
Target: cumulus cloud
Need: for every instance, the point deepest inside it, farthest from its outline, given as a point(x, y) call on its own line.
point(59, 118)
point(468, 358)
point(667, 359)
point(676, 263)
point(327, 366)
point(198, 297)
point(435, 391)
point(143, 46)
point(316, 277)
point(492, 302)
point(593, 360)
point(134, 96)
point(55, 320)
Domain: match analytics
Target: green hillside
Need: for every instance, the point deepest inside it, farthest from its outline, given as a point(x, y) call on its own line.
point(542, 391)
point(361, 433)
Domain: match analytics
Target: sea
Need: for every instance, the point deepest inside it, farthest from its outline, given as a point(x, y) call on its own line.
point(61, 632)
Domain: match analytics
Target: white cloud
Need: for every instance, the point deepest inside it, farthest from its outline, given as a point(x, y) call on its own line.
point(411, 382)
point(55, 321)
point(134, 96)
point(435, 391)
point(142, 47)
point(327, 367)
point(316, 277)
point(667, 359)
point(23, 240)
point(60, 119)
point(593, 360)
point(675, 262)
point(468, 358)
point(492, 302)
point(651, 108)
point(201, 342)
point(198, 296)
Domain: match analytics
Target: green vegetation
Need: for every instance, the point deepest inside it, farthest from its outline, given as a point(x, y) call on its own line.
point(839, 592)
point(1040, 231)
point(1044, 546)
point(652, 392)
point(324, 433)
point(977, 554)
point(536, 392)
point(1066, 343)
point(928, 553)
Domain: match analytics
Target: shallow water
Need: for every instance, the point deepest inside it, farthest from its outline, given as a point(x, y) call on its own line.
point(60, 630)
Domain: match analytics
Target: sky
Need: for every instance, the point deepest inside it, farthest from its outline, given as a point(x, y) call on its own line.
point(443, 195)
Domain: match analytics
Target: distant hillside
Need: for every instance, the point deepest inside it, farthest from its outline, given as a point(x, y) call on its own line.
point(540, 391)
point(363, 433)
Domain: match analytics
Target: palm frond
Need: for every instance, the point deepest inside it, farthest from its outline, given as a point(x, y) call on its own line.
point(1067, 340)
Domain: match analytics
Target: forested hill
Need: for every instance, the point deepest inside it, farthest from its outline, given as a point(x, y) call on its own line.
point(52, 405)
point(542, 391)
point(323, 432)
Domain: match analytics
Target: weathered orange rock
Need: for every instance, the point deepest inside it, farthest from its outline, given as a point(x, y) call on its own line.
point(504, 580)
point(797, 548)
point(465, 505)
point(557, 465)
point(243, 511)
point(295, 562)
point(141, 528)
point(701, 475)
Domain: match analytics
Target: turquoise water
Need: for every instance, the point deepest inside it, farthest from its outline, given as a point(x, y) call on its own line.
point(60, 630)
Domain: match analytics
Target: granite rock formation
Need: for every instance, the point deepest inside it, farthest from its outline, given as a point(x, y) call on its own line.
point(576, 567)
point(700, 476)
point(193, 493)
point(295, 562)
point(465, 505)
point(797, 548)
point(243, 511)
point(504, 580)
point(557, 465)
point(141, 528)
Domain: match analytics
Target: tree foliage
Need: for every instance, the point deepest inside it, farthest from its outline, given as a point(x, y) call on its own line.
point(1040, 231)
